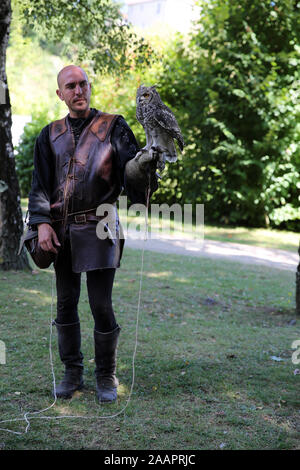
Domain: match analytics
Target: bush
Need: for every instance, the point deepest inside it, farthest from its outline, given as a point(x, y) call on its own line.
point(24, 152)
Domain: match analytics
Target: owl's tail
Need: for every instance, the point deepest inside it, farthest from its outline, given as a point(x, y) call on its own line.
point(171, 158)
point(180, 141)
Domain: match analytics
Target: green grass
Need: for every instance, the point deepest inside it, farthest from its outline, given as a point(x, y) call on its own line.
point(265, 238)
point(204, 376)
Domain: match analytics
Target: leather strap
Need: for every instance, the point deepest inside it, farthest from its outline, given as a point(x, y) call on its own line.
point(80, 218)
point(57, 128)
point(103, 124)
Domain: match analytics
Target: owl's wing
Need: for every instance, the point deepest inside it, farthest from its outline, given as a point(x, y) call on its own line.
point(139, 116)
point(166, 119)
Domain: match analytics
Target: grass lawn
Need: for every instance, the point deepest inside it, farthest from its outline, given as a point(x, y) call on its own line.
point(265, 238)
point(204, 373)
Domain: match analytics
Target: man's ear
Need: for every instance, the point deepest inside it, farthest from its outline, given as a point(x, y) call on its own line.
point(59, 94)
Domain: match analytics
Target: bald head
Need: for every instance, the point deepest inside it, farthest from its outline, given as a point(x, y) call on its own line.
point(66, 71)
point(75, 90)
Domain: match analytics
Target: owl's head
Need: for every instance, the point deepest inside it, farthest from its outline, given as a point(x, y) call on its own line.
point(146, 94)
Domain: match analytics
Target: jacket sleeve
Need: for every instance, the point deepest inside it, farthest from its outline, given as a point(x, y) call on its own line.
point(42, 177)
point(125, 147)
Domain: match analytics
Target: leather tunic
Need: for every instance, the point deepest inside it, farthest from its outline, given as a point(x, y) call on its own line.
point(85, 177)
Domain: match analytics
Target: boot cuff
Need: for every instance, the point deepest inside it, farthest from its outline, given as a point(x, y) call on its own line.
point(109, 335)
point(62, 325)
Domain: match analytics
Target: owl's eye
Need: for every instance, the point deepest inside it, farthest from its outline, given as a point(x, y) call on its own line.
point(146, 95)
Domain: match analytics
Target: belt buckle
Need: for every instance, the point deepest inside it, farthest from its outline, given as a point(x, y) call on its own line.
point(80, 219)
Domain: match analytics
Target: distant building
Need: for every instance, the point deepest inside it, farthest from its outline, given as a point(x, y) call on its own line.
point(177, 14)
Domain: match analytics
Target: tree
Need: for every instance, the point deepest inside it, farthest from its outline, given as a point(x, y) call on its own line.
point(298, 287)
point(11, 225)
point(93, 31)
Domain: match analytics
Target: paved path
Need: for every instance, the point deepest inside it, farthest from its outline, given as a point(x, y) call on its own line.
point(214, 249)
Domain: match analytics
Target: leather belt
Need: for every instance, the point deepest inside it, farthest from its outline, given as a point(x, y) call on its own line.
point(80, 218)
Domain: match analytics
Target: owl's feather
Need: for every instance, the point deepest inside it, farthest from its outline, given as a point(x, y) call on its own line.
point(159, 123)
point(167, 120)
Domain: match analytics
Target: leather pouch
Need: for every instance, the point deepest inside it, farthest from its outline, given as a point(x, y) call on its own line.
point(41, 258)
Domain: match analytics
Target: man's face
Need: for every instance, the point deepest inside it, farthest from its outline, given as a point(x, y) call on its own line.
point(75, 91)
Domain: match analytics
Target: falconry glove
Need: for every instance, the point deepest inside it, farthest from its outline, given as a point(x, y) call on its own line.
point(141, 170)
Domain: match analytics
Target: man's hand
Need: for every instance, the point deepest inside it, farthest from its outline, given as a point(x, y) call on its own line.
point(47, 238)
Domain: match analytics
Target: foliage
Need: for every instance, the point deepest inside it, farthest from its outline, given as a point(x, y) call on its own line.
point(92, 32)
point(234, 88)
point(25, 150)
point(31, 71)
point(235, 91)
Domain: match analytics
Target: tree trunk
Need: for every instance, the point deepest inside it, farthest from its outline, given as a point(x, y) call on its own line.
point(298, 287)
point(11, 223)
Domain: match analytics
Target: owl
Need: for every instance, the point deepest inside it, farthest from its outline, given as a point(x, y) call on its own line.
point(160, 125)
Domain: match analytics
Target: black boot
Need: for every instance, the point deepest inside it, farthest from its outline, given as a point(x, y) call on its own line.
point(69, 341)
point(106, 362)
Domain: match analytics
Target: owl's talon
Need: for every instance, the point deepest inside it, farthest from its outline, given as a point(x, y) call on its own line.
point(154, 153)
point(140, 153)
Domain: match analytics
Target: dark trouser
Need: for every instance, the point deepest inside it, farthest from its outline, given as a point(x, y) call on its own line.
point(99, 286)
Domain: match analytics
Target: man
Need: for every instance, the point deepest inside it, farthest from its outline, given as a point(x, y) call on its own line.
point(80, 162)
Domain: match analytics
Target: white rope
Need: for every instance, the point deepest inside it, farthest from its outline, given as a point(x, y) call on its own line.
point(27, 416)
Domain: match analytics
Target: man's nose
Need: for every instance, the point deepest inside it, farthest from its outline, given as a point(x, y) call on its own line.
point(78, 89)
